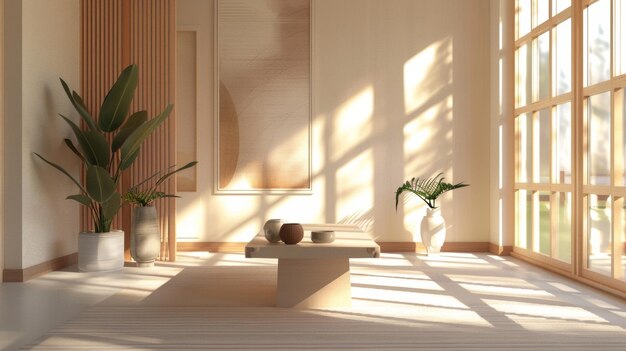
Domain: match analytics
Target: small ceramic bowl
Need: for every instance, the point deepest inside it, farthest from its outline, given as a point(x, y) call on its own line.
point(323, 236)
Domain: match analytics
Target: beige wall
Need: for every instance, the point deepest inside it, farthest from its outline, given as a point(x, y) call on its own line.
point(1, 134)
point(400, 89)
point(43, 44)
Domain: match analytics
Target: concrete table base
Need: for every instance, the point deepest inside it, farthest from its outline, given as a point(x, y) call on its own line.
point(313, 283)
point(312, 275)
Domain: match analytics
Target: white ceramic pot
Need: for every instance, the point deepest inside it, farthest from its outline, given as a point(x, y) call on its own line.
point(145, 236)
point(101, 252)
point(271, 229)
point(433, 231)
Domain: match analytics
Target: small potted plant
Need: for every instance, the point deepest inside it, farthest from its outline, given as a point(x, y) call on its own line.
point(433, 227)
point(106, 147)
point(145, 238)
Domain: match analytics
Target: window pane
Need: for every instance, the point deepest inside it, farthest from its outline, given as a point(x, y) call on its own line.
point(564, 227)
point(541, 82)
point(620, 140)
point(541, 11)
point(622, 238)
point(541, 131)
point(563, 152)
point(597, 39)
point(563, 57)
point(560, 5)
point(599, 136)
point(523, 18)
point(620, 39)
point(523, 68)
point(523, 148)
point(599, 234)
point(523, 218)
point(542, 223)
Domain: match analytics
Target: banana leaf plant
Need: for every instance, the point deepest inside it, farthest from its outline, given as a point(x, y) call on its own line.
point(144, 193)
point(107, 146)
point(427, 189)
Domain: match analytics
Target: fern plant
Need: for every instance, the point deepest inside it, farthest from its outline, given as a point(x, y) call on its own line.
point(427, 189)
point(144, 193)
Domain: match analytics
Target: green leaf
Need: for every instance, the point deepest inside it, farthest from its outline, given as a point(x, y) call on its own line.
point(427, 189)
point(128, 161)
point(88, 151)
point(134, 141)
point(134, 121)
point(79, 105)
point(60, 169)
point(164, 177)
point(100, 186)
point(117, 102)
point(80, 198)
point(100, 147)
point(73, 148)
point(111, 206)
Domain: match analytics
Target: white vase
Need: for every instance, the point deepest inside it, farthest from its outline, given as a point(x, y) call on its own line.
point(101, 252)
point(433, 231)
point(145, 236)
point(271, 229)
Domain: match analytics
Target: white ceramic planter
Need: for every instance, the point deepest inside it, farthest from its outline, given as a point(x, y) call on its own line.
point(433, 231)
point(101, 252)
point(145, 236)
point(272, 229)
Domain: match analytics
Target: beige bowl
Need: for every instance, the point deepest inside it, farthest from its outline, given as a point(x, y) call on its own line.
point(323, 236)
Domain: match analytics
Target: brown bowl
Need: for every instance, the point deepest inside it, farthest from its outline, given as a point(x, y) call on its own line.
point(291, 233)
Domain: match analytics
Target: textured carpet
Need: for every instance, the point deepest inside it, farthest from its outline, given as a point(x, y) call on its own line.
point(401, 302)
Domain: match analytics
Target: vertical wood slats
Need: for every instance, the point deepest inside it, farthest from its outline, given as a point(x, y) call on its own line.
point(117, 33)
point(100, 63)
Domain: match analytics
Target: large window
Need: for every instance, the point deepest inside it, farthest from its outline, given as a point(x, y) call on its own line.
point(543, 121)
point(570, 143)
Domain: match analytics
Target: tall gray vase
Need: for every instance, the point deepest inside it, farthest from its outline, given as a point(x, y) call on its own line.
point(145, 238)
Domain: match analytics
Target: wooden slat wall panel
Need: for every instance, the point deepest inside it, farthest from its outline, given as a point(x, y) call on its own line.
point(152, 33)
point(115, 34)
point(101, 62)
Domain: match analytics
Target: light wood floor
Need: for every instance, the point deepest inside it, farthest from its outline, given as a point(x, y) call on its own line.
point(400, 302)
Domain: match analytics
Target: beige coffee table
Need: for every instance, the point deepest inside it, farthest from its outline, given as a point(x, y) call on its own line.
point(314, 275)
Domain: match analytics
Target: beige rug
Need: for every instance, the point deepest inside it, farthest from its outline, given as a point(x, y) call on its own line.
point(401, 302)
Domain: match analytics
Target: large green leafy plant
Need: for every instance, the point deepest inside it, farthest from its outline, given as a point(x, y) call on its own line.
point(144, 193)
point(108, 146)
point(427, 189)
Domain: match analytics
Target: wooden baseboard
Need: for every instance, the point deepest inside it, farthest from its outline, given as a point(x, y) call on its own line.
point(384, 246)
point(22, 275)
point(500, 250)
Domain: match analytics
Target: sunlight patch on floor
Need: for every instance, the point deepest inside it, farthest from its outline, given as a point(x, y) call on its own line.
point(378, 281)
point(450, 257)
point(506, 291)
point(510, 282)
point(560, 313)
point(407, 297)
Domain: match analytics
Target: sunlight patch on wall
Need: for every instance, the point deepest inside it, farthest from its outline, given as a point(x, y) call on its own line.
point(423, 138)
point(317, 147)
point(355, 185)
point(190, 220)
point(426, 73)
point(239, 218)
point(352, 123)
